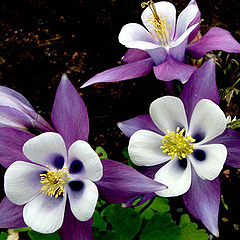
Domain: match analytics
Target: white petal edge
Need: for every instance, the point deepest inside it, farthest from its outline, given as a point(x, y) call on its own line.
point(207, 118)
point(134, 35)
point(144, 148)
point(183, 36)
point(176, 178)
point(45, 214)
point(164, 9)
point(82, 151)
point(83, 203)
point(22, 182)
point(168, 113)
point(209, 168)
point(185, 18)
point(39, 148)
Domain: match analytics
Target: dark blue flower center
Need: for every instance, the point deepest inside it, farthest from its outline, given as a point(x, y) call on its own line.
point(182, 163)
point(76, 166)
point(58, 161)
point(199, 154)
point(76, 186)
point(198, 137)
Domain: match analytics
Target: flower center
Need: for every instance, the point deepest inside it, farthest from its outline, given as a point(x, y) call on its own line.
point(176, 144)
point(54, 181)
point(158, 24)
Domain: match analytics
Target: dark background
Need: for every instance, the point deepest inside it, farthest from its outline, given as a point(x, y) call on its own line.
point(40, 40)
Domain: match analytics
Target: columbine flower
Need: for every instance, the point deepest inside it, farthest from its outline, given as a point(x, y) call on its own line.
point(163, 43)
point(16, 111)
point(56, 175)
point(185, 144)
point(56, 171)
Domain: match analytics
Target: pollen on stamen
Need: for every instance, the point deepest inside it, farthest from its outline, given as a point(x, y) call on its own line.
point(176, 144)
point(158, 24)
point(54, 181)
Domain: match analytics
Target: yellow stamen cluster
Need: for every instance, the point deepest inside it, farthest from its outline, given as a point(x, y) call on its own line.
point(54, 181)
point(176, 144)
point(159, 24)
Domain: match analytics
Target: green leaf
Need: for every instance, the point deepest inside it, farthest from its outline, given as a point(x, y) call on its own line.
point(3, 236)
point(24, 229)
point(101, 152)
point(160, 227)
point(98, 222)
point(125, 222)
point(159, 205)
point(125, 153)
point(110, 235)
point(189, 230)
point(39, 236)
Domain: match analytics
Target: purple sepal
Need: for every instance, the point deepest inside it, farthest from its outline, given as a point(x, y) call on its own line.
point(69, 113)
point(11, 215)
point(73, 228)
point(130, 126)
point(11, 117)
point(197, 19)
point(11, 143)
point(202, 84)
point(13, 94)
point(134, 55)
point(148, 172)
point(120, 183)
point(123, 72)
point(215, 39)
point(231, 139)
point(42, 125)
point(172, 69)
point(202, 201)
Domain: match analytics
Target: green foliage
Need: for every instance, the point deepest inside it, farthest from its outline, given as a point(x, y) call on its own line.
point(39, 236)
point(189, 230)
point(98, 222)
point(101, 152)
point(125, 222)
point(3, 236)
point(24, 229)
point(151, 207)
point(150, 220)
point(160, 227)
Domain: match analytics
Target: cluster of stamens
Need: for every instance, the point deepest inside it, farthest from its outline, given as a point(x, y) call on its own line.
point(54, 181)
point(176, 144)
point(158, 23)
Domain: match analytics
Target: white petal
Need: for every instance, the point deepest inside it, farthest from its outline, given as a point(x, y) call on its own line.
point(207, 120)
point(168, 113)
point(134, 35)
point(144, 148)
point(43, 148)
point(22, 182)
point(164, 9)
point(184, 36)
point(208, 160)
point(175, 176)
point(92, 166)
point(44, 214)
point(185, 18)
point(84, 201)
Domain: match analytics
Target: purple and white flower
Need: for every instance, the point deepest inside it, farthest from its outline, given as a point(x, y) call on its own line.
point(65, 158)
point(163, 43)
point(182, 146)
point(185, 143)
point(54, 176)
